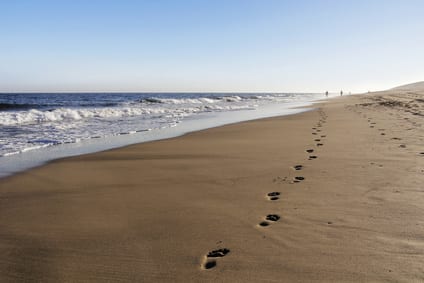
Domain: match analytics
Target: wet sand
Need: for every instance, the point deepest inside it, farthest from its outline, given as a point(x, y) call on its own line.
point(331, 195)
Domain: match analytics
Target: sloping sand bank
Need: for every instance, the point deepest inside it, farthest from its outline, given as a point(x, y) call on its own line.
point(196, 208)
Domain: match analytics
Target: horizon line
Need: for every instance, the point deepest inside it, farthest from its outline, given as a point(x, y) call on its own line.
point(182, 92)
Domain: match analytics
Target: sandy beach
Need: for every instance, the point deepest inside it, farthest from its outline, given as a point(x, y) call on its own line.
point(334, 195)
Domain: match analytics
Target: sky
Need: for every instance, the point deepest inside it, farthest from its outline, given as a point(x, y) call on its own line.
point(210, 46)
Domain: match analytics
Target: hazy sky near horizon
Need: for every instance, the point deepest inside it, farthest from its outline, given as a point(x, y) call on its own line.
point(215, 45)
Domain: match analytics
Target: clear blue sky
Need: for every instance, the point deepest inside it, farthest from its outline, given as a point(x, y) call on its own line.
point(215, 45)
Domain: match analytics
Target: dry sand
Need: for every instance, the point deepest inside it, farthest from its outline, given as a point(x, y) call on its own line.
point(153, 212)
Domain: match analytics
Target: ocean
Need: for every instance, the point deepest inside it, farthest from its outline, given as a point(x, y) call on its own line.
point(39, 127)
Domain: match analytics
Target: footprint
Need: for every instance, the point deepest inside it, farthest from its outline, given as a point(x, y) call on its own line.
point(218, 253)
point(209, 264)
point(298, 167)
point(323, 136)
point(264, 223)
point(312, 157)
point(317, 140)
point(210, 261)
point(273, 195)
point(297, 179)
point(269, 217)
point(273, 217)
point(320, 144)
point(309, 150)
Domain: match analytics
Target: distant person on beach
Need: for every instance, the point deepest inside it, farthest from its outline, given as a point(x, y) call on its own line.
point(326, 93)
point(341, 93)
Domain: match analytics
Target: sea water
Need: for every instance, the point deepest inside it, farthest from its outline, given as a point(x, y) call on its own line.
point(39, 127)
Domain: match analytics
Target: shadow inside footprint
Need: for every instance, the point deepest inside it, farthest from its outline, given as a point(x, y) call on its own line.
point(209, 264)
point(309, 150)
point(273, 217)
point(218, 253)
point(298, 167)
point(320, 144)
point(264, 224)
point(312, 157)
point(273, 195)
point(298, 179)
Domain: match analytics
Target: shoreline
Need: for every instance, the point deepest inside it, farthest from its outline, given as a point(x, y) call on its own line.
point(17, 163)
point(171, 137)
point(193, 208)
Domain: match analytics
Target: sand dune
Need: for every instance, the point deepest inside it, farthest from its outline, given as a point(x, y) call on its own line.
point(418, 86)
point(330, 195)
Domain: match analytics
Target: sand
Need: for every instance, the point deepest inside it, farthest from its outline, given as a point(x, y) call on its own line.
point(196, 208)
